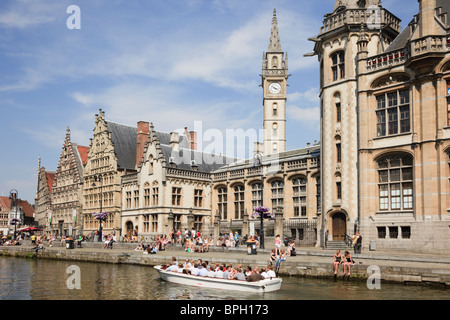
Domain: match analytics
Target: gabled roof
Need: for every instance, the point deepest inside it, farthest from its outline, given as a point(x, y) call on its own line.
point(83, 152)
point(50, 179)
point(27, 208)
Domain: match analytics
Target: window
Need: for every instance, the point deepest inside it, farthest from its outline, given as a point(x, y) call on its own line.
point(299, 189)
point(338, 190)
point(381, 232)
point(406, 232)
point(155, 191)
point(154, 222)
point(393, 232)
point(338, 65)
point(275, 109)
point(176, 196)
point(222, 202)
point(198, 198)
point(393, 113)
point(256, 195)
point(275, 148)
point(239, 202)
point(318, 194)
point(448, 102)
point(338, 112)
point(136, 198)
point(338, 152)
point(146, 222)
point(275, 129)
point(146, 197)
point(198, 222)
point(128, 199)
point(277, 194)
point(395, 174)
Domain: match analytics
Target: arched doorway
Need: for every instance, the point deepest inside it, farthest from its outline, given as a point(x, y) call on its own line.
point(129, 228)
point(339, 226)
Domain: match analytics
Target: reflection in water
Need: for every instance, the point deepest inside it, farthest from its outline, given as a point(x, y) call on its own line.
point(47, 280)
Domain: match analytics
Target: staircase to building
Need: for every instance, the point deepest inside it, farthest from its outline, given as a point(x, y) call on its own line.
point(335, 245)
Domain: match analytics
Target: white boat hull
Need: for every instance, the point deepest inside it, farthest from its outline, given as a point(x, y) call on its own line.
point(267, 285)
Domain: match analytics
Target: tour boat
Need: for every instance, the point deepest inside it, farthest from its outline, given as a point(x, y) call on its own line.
point(267, 285)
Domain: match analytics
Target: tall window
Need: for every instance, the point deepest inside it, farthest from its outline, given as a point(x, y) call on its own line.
point(146, 197)
point(448, 102)
point(198, 222)
point(136, 199)
point(155, 192)
point(393, 114)
point(338, 112)
point(128, 199)
point(256, 195)
point(154, 222)
point(338, 190)
point(318, 200)
point(338, 152)
point(299, 189)
point(275, 129)
point(239, 202)
point(277, 194)
point(338, 65)
point(222, 202)
point(275, 109)
point(395, 174)
point(198, 198)
point(146, 222)
point(176, 196)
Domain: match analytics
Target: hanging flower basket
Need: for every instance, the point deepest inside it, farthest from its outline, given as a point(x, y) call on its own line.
point(100, 216)
point(14, 221)
point(264, 212)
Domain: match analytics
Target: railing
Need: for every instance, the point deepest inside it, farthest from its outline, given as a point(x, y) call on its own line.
point(430, 44)
point(174, 172)
point(387, 60)
point(358, 16)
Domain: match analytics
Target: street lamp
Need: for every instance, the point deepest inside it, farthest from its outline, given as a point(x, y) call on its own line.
point(99, 179)
point(258, 157)
point(13, 197)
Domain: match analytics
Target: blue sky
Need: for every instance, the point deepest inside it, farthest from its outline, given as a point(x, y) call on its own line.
point(173, 63)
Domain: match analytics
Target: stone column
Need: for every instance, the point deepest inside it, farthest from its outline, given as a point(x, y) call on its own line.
point(279, 221)
point(190, 220)
point(170, 219)
point(245, 225)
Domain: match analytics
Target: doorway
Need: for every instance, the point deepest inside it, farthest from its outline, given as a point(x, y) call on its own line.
point(129, 227)
point(339, 226)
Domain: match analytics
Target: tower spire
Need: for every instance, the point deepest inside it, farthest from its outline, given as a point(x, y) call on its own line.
point(274, 44)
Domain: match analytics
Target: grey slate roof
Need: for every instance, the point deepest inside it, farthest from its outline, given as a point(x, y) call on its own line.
point(401, 41)
point(124, 139)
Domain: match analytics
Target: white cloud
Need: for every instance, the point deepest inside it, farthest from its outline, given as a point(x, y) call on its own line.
point(308, 115)
point(26, 13)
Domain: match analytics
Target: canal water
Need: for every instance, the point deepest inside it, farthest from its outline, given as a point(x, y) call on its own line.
point(40, 279)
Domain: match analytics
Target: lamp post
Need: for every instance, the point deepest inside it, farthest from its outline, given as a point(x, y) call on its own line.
point(13, 197)
point(99, 179)
point(258, 156)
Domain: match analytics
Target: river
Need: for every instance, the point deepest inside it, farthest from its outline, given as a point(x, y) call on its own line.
point(40, 279)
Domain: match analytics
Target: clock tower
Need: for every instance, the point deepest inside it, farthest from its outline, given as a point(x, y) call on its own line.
point(274, 81)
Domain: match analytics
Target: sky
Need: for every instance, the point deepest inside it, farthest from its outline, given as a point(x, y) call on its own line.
point(174, 63)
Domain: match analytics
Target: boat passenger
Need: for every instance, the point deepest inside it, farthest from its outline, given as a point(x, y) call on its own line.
point(195, 270)
point(270, 272)
point(240, 275)
point(211, 274)
point(264, 272)
point(248, 272)
point(180, 268)
point(255, 276)
point(203, 271)
point(227, 273)
point(219, 273)
point(173, 267)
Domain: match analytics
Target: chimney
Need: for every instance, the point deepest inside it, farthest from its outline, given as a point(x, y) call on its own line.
point(175, 141)
point(141, 139)
point(192, 138)
point(427, 9)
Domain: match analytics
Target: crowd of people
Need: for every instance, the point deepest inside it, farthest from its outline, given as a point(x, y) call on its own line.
point(220, 270)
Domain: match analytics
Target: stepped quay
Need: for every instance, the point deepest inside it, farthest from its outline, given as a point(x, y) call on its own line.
point(395, 267)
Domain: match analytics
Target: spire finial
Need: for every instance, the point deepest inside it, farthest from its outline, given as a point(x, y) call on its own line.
point(274, 45)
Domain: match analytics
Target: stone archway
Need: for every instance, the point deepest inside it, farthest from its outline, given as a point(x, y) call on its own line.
point(339, 226)
point(129, 229)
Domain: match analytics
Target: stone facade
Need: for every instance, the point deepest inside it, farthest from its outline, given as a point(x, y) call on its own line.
point(385, 149)
point(67, 189)
point(171, 189)
point(43, 201)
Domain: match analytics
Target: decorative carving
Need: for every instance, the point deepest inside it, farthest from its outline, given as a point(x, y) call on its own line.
point(390, 80)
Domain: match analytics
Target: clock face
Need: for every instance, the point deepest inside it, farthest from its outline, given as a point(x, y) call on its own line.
point(275, 87)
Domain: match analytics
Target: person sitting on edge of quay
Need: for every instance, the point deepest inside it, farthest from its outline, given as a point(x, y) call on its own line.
point(140, 247)
point(337, 260)
point(348, 262)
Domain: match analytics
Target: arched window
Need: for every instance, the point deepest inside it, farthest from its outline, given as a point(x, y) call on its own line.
point(395, 175)
point(222, 202)
point(275, 147)
point(338, 65)
point(275, 129)
point(277, 194)
point(299, 189)
point(275, 62)
point(239, 202)
point(275, 109)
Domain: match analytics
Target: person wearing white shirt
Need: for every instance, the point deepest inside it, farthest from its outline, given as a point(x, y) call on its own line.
point(195, 270)
point(211, 274)
point(173, 267)
point(270, 272)
point(203, 271)
point(219, 273)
